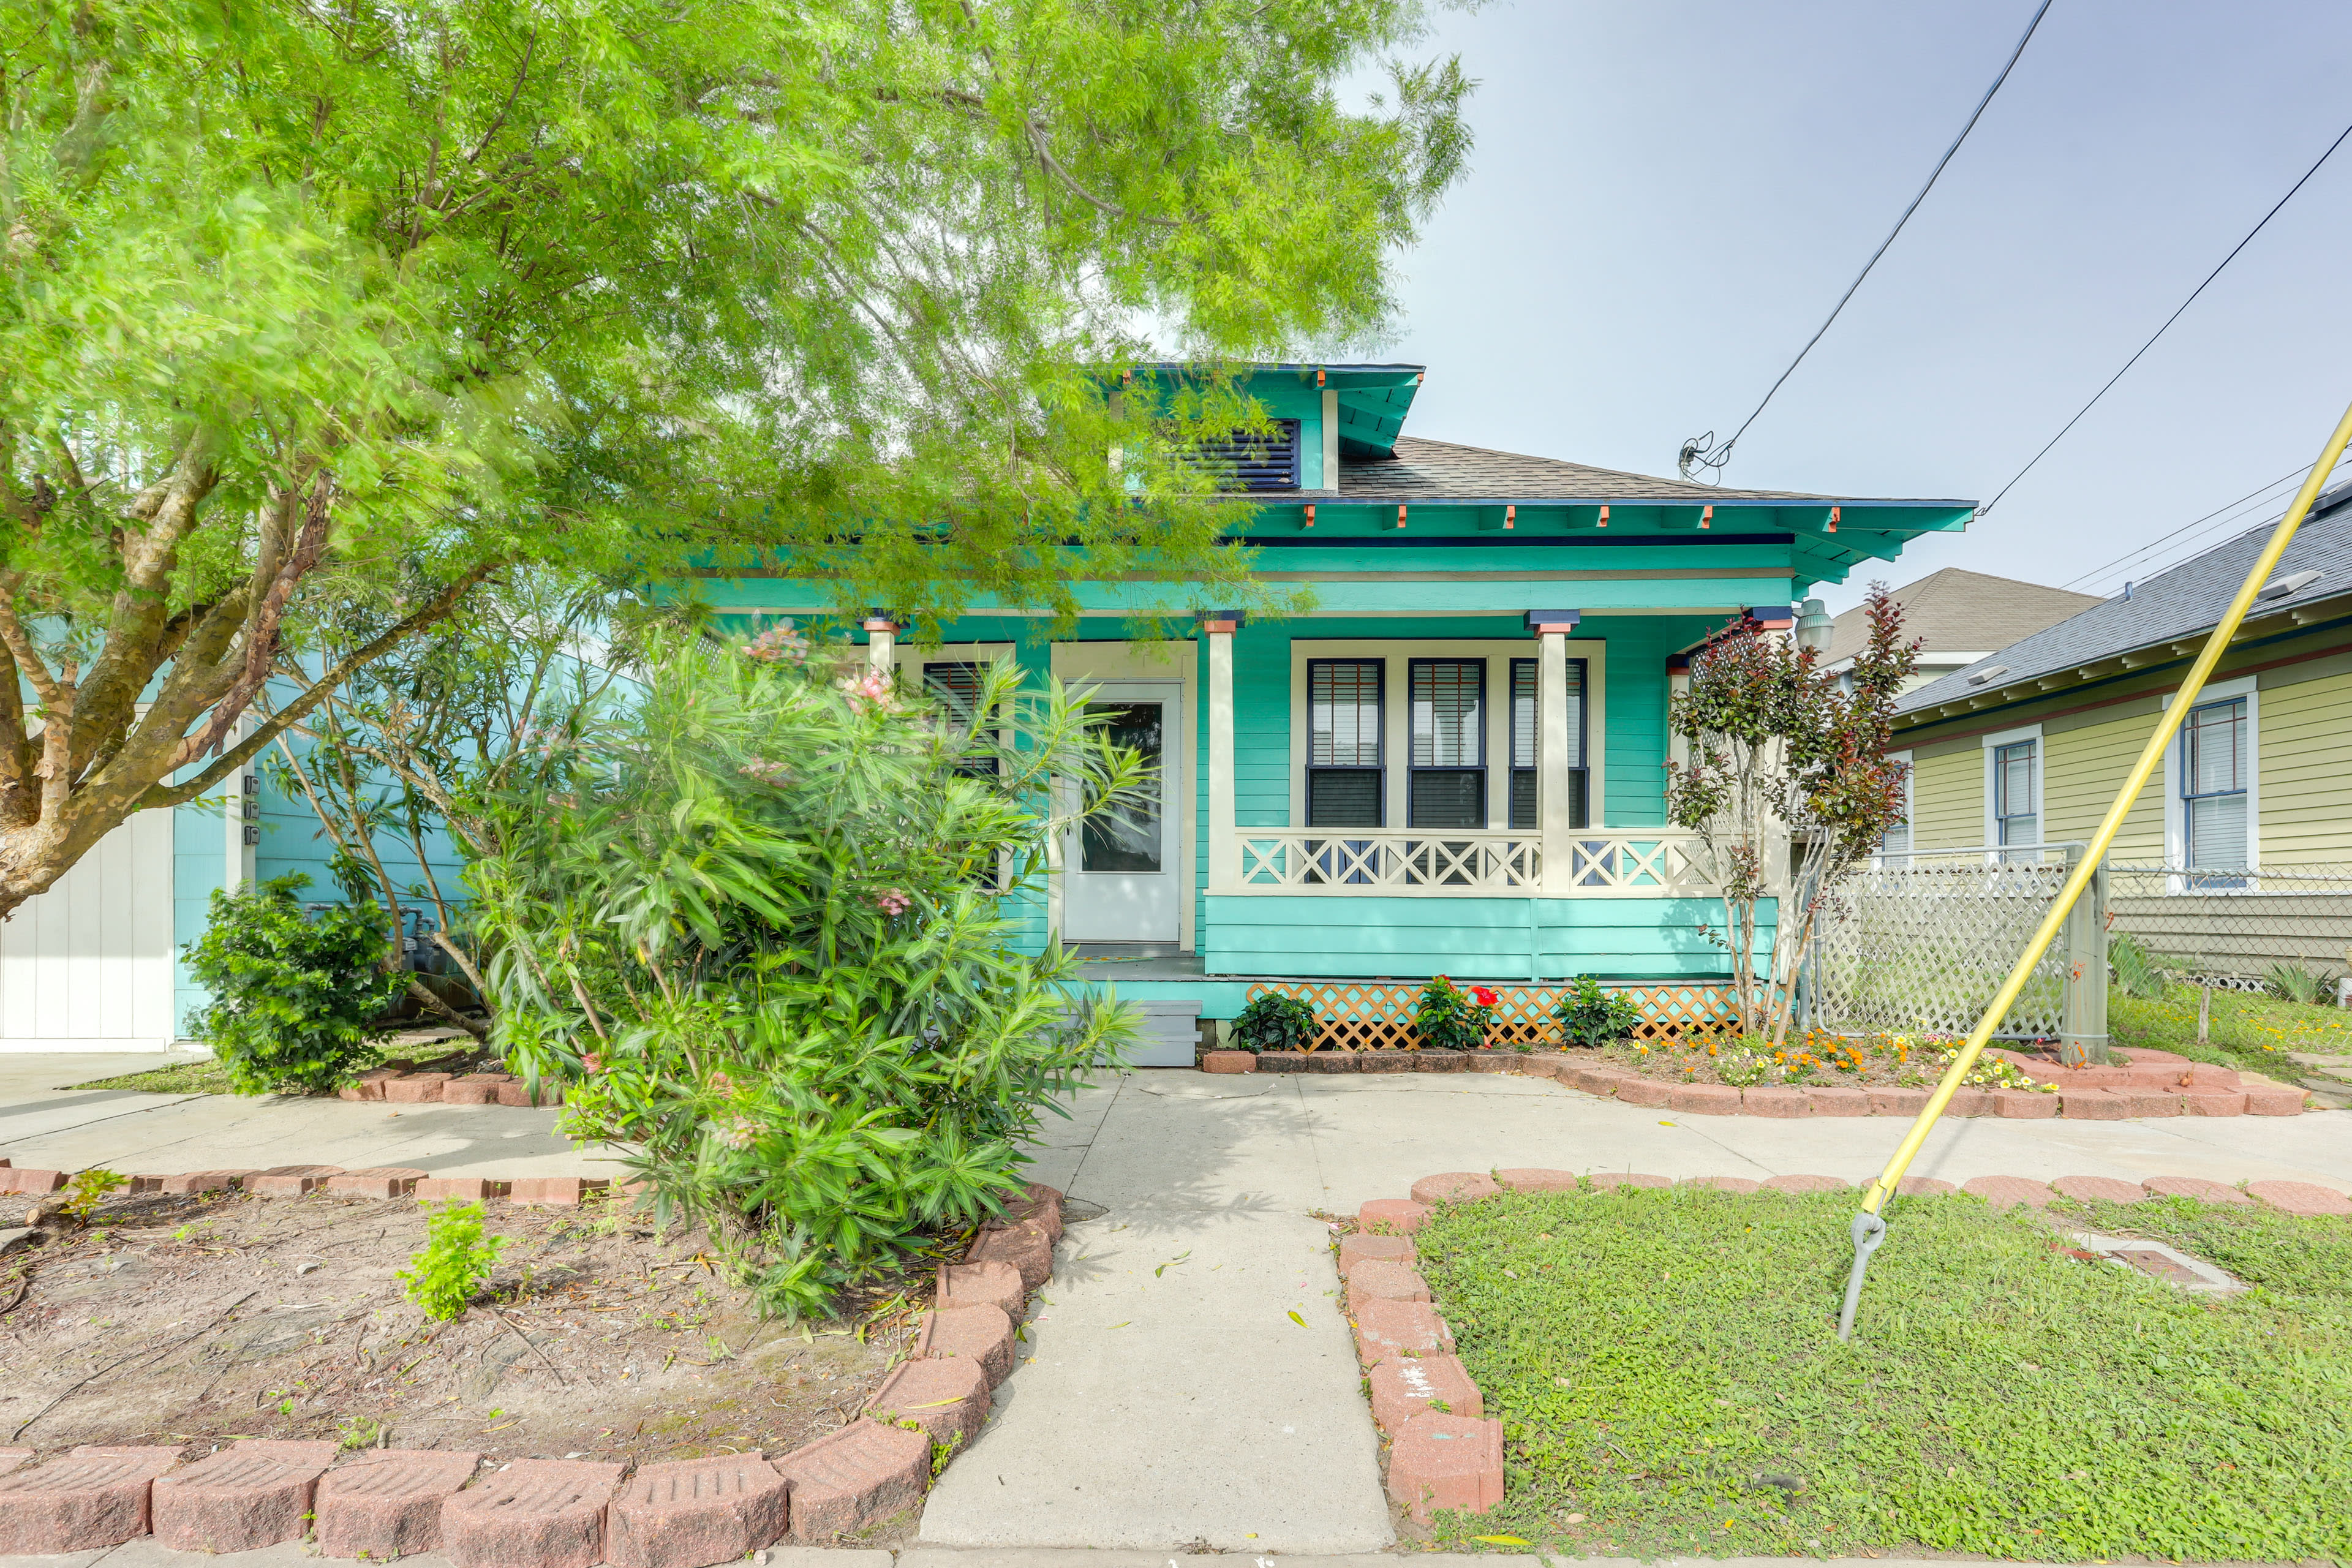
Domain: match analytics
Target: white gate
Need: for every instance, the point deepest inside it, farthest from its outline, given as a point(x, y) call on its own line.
point(87, 966)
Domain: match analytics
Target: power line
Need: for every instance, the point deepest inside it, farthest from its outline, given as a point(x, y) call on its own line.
point(1695, 453)
point(2242, 245)
point(2095, 573)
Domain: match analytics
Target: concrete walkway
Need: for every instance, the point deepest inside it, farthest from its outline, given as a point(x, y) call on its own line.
point(1169, 1400)
point(1162, 1406)
point(47, 1125)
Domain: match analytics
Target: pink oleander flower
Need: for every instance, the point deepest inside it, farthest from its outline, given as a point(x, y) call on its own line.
point(593, 1062)
point(891, 902)
point(766, 771)
point(778, 644)
point(872, 689)
point(738, 1132)
point(721, 1084)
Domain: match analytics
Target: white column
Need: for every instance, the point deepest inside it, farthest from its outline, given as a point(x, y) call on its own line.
point(1677, 685)
point(1330, 437)
point(1552, 758)
point(1224, 848)
point(881, 643)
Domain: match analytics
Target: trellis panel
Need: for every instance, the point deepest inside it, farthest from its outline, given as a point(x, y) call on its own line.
point(1370, 1015)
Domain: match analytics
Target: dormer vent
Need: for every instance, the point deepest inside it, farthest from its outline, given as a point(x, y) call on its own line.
point(2293, 582)
point(1984, 676)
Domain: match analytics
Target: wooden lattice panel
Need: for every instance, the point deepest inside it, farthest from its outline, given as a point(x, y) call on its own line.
point(1371, 1015)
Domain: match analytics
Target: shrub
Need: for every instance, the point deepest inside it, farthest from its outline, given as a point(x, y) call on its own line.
point(89, 1189)
point(297, 994)
point(762, 929)
point(1274, 1023)
point(2138, 970)
point(1591, 1016)
point(1449, 1018)
point(455, 1262)
point(2293, 983)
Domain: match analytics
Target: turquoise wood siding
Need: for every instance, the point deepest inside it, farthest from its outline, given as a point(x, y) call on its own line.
point(1473, 939)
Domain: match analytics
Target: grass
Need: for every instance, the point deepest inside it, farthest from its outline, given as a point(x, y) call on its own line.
point(2285, 1256)
point(2249, 1032)
point(1662, 1358)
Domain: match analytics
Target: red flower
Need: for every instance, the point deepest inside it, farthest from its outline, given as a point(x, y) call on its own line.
point(1485, 997)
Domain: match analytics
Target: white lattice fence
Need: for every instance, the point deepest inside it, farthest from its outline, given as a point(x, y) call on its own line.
point(1924, 945)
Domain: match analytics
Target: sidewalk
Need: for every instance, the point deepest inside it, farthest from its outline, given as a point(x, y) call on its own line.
point(45, 1125)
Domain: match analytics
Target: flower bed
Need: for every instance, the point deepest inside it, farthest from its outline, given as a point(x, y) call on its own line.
point(1817, 1061)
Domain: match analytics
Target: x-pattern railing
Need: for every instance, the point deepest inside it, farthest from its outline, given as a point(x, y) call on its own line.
point(1465, 862)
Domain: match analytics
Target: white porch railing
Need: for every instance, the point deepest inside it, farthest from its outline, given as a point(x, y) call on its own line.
point(1471, 864)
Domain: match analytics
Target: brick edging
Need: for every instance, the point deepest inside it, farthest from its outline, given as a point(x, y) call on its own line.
point(552, 1513)
point(1445, 1452)
point(2149, 1083)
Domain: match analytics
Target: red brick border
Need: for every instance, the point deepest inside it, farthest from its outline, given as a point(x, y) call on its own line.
point(550, 1513)
point(2144, 1083)
point(1444, 1451)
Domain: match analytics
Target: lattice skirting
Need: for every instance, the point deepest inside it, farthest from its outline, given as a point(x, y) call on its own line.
point(1369, 1016)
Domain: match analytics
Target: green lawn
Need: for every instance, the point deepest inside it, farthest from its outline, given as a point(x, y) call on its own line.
point(2249, 1032)
point(1656, 1355)
point(203, 1075)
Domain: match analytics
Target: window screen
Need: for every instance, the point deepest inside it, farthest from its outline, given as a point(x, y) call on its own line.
point(1448, 787)
point(2016, 819)
point(958, 687)
point(1343, 744)
point(1527, 743)
point(2213, 785)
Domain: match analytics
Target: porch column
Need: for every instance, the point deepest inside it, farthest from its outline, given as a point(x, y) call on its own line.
point(1551, 628)
point(881, 641)
point(1224, 848)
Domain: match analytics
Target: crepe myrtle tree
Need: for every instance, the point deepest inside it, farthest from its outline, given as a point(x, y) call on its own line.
point(363, 303)
point(1778, 748)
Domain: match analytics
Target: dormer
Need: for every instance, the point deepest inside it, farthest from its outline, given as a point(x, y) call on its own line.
point(1322, 414)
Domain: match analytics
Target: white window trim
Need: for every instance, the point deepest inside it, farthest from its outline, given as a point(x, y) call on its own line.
point(2176, 810)
point(1910, 776)
point(1993, 742)
point(1396, 718)
point(1087, 663)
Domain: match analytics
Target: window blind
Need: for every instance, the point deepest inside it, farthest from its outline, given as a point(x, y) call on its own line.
point(1343, 747)
point(1527, 743)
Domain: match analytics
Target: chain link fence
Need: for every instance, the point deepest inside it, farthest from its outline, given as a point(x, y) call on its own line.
point(1921, 942)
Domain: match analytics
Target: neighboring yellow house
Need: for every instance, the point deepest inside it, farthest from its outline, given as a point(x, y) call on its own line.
point(2027, 745)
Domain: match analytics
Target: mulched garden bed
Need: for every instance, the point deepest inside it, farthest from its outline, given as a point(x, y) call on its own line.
point(172, 1319)
point(1812, 1060)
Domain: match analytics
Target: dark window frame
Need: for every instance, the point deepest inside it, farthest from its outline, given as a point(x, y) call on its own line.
point(1580, 776)
point(1379, 769)
point(1253, 463)
point(1414, 772)
point(963, 706)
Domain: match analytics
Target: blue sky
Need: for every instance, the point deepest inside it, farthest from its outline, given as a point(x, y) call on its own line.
point(1667, 196)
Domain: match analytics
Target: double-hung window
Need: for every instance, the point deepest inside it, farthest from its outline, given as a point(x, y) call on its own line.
point(2017, 795)
point(1526, 744)
point(2213, 785)
point(1448, 787)
point(1343, 742)
point(958, 686)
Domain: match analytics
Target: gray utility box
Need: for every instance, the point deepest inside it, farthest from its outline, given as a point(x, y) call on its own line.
point(1168, 1036)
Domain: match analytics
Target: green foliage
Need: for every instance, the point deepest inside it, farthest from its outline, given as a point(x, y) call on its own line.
point(453, 1263)
point(2000, 1398)
point(2138, 970)
point(2293, 983)
point(1449, 1018)
point(2289, 1255)
point(763, 932)
point(1591, 1016)
point(311, 306)
point(297, 994)
point(2247, 1031)
point(1274, 1023)
point(88, 1188)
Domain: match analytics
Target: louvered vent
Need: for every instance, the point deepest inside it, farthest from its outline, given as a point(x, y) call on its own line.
point(1254, 462)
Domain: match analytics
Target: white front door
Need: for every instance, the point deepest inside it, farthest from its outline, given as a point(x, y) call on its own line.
point(1120, 876)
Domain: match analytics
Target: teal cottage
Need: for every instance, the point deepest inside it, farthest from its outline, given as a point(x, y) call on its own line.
point(1455, 762)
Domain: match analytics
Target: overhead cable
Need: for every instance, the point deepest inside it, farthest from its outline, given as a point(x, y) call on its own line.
point(2242, 245)
point(1699, 452)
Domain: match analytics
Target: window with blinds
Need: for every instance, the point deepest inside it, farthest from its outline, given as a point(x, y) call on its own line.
point(1343, 742)
point(1526, 742)
point(2213, 785)
point(1448, 786)
point(958, 687)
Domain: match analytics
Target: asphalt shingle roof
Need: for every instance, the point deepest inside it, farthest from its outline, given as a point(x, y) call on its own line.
point(1440, 470)
point(1954, 611)
point(2182, 602)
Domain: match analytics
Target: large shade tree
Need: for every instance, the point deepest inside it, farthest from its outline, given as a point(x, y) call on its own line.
point(316, 304)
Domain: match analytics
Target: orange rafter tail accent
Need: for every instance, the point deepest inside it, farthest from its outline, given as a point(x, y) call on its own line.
point(1400, 514)
point(1706, 516)
point(1310, 514)
point(1510, 516)
point(1833, 517)
point(1604, 518)
point(1318, 375)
